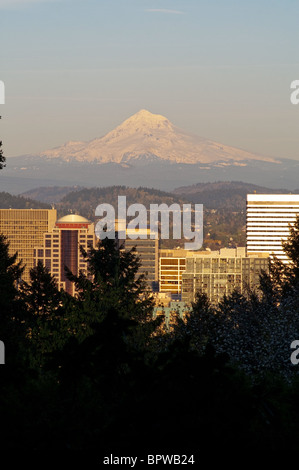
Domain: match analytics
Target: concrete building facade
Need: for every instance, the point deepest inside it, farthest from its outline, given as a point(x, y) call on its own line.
point(268, 219)
point(219, 273)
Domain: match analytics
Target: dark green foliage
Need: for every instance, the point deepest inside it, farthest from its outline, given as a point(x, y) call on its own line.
point(41, 295)
point(46, 322)
point(256, 329)
point(91, 377)
point(2, 157)
point(115, 310)
point(11, 306)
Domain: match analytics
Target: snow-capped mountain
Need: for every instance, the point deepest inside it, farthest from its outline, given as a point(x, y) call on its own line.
point(146, 150)
point(144, 136)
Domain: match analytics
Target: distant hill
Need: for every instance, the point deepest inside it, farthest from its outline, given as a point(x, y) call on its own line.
point(85, 201)
point(224, 204)
point(230, 195)
point(8, 201)
point(50, 194)
point(224, 214)
point(215, 195)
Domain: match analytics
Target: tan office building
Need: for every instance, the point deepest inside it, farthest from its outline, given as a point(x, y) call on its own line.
point(25, 229)
point(172, 264)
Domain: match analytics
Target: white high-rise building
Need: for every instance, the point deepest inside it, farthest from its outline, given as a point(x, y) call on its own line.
point(268, 219)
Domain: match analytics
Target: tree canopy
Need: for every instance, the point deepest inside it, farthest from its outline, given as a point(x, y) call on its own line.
point(2, 157)
point(94, 372)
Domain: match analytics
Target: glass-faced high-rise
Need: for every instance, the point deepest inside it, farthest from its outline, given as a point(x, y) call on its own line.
point(25, 229)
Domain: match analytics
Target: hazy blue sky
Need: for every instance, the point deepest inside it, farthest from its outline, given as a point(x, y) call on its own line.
point(74, 69)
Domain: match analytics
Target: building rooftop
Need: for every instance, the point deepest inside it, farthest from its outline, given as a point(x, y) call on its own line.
point(72, 219)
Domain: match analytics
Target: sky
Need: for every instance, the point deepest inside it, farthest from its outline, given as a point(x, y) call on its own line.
point(222, 69)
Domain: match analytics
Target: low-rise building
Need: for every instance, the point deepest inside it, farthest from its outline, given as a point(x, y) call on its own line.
point(219, 273)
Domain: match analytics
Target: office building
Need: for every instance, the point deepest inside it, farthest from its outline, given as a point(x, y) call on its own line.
point(268, 219)
point(61, 247)
point(25, 228)
point(147, 249)
point(219, 273)
point(172, 264)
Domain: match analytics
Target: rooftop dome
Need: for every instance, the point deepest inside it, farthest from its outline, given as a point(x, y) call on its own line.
point(72, 219)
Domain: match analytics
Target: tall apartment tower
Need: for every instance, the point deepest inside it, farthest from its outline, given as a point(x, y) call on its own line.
point(24, 229)
point(268, 219)
point(172, 263)
point(146, 244)
point(147, 249)
point(61, 247)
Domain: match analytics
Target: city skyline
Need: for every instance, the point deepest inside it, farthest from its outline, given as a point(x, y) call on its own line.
point(73, 70)
point(149, 229)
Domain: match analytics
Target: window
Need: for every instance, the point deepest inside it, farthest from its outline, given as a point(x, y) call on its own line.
point(48, 263)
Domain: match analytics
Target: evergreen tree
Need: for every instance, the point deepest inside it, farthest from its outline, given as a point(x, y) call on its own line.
point(198, 324)
point(2, 157)
point(12, 310)
point(47, 326)
point(111, 316)
point(41, 293)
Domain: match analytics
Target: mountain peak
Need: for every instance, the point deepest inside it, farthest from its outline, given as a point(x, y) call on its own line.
point(149, 135)
point(147, 119)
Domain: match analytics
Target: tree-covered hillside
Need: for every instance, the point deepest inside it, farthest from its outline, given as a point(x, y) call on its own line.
point(229, 195)
point(84, 202)
point(221, 227)
point(8, 201)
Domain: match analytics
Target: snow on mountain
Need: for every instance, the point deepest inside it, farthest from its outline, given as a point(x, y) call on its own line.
point(146, 134)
